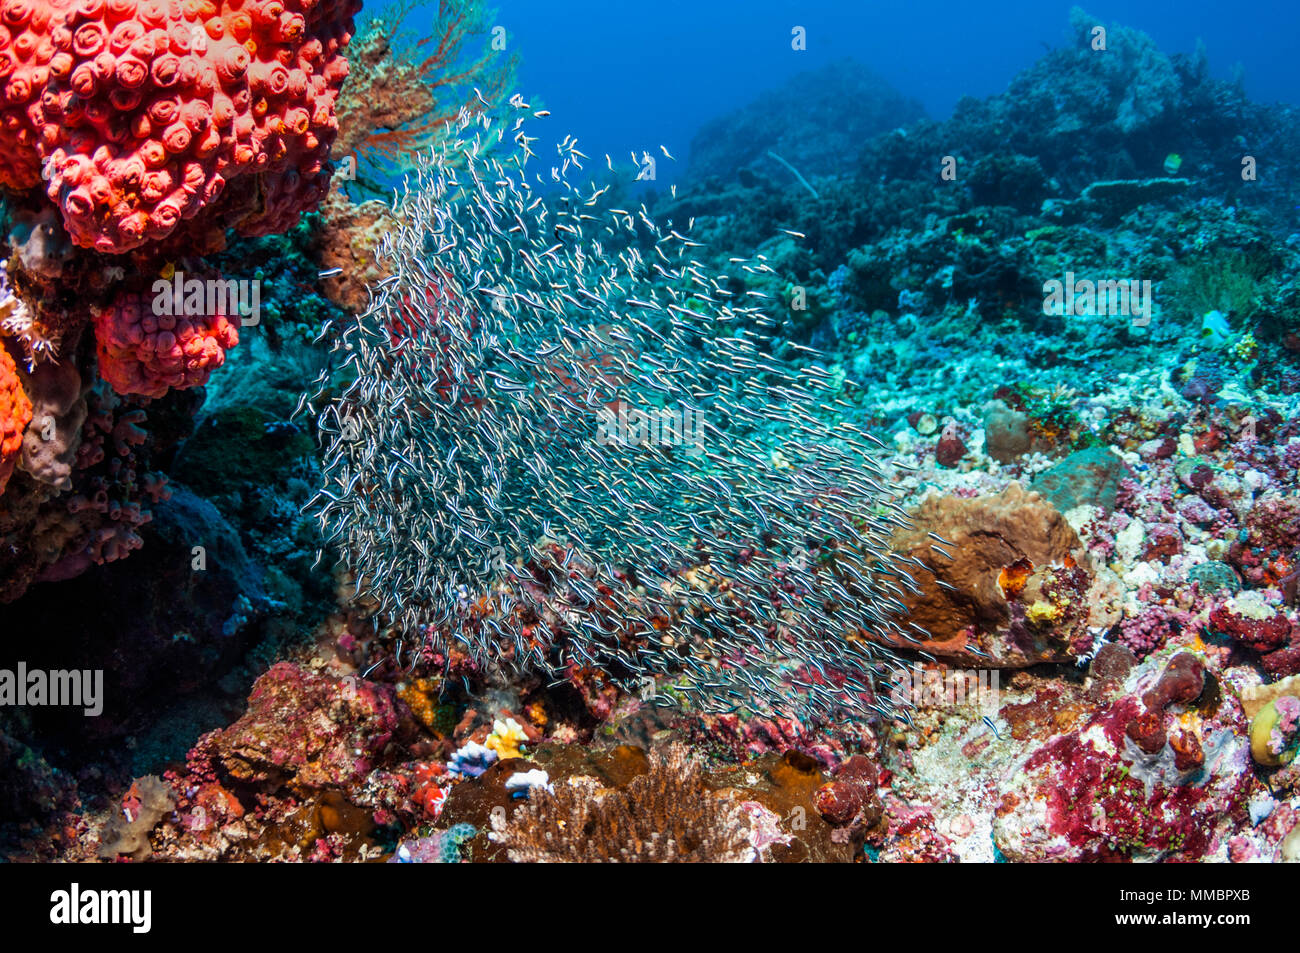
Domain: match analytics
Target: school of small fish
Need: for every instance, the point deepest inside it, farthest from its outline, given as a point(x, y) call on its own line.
point(469, 497)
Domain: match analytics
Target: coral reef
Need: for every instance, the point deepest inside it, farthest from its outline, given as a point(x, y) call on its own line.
point(1086, 502)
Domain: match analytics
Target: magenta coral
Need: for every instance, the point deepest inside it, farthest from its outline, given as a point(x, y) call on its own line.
point(1182, 682)
point(1152, 629)
point(1274, 637)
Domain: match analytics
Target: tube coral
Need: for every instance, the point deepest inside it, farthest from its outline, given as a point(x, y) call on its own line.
point(137, 114)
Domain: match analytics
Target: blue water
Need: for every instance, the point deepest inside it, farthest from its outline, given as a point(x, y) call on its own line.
point(626, 75)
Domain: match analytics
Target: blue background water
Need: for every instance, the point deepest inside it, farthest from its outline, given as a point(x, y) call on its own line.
point(624, 75)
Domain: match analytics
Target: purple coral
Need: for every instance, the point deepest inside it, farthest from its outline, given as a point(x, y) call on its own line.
point(1152, 629)
point(1288, 722)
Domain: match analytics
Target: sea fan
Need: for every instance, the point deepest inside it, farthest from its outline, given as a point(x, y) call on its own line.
point(402, 89)
point(565, 444)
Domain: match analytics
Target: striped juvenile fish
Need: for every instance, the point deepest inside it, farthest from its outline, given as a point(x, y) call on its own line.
point(530, 457)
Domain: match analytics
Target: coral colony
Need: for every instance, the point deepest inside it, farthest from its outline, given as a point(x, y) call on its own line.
point(386, 478)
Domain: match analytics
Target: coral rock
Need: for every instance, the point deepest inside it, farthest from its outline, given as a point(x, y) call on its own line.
point(127, 831)
point(313, 730)
point(1182, 682)
point(849, 802)
point(1038, 613)
point(1268, 550)
point(1089, 476)
point(348, 239)
point(1009, 435)
point(1272, 634)
point(951, 447)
